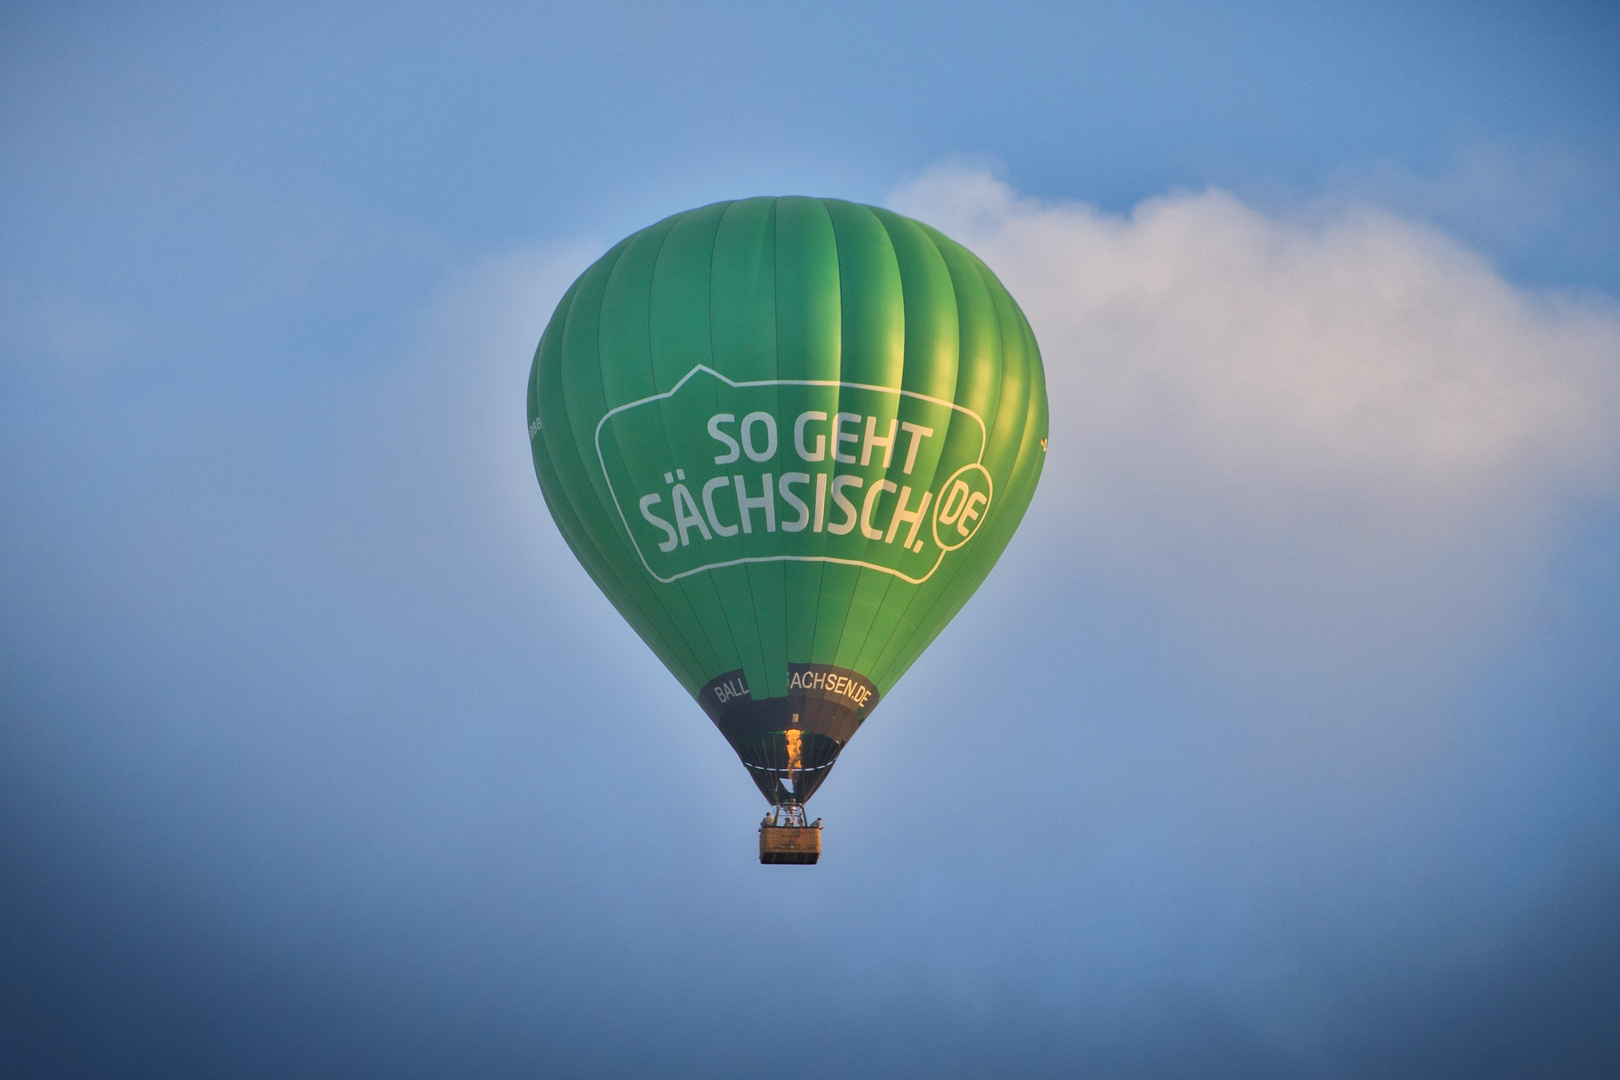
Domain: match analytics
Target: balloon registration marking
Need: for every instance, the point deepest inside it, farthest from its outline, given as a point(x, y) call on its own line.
point(792, 457)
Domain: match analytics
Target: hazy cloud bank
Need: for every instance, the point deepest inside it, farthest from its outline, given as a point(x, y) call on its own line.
point(1260, 754)
point(1308, 480)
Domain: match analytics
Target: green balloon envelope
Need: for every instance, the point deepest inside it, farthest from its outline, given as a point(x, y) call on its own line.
point(788, 438)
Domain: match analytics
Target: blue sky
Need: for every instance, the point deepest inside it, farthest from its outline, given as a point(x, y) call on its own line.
point(1282, 743)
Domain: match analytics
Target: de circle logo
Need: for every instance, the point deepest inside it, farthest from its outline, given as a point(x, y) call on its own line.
point(963, 502)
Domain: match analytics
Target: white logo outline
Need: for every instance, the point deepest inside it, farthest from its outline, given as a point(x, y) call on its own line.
point(984, 438)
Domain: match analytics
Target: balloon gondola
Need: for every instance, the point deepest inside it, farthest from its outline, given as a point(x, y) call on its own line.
point(788, 438)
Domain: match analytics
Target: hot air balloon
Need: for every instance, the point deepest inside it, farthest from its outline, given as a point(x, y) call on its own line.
point(788, 438)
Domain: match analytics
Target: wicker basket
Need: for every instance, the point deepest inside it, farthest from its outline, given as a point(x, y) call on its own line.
point(800, 845)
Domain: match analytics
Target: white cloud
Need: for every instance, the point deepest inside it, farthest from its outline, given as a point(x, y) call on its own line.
point(1363, 352)
point(1330, 451)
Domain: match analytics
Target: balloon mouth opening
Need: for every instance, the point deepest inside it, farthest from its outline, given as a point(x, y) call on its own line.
point(788, 766)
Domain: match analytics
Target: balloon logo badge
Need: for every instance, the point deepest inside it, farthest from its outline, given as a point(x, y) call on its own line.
point(963, 503)
point(788, 438)
point(791, 470)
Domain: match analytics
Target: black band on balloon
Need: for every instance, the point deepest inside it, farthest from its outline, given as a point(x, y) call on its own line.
point(825, 704)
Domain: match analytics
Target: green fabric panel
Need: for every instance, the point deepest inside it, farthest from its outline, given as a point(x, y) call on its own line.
point(625, 324)
point(979, 372)
point(545, 469)
point(1012, 405)
point(874, 337)
point(625, 344)
point(558, 428)
point(1026, 475)
point(579, 393)
point(742, 308)
point(932, 356)
point(742, 295)
point(1008, 435)
point(611, 566)
point(932, 340)
point(978, 387)
point(682, 339)
point(809, 319)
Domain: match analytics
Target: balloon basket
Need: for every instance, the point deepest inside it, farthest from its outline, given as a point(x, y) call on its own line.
point(786, 839)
